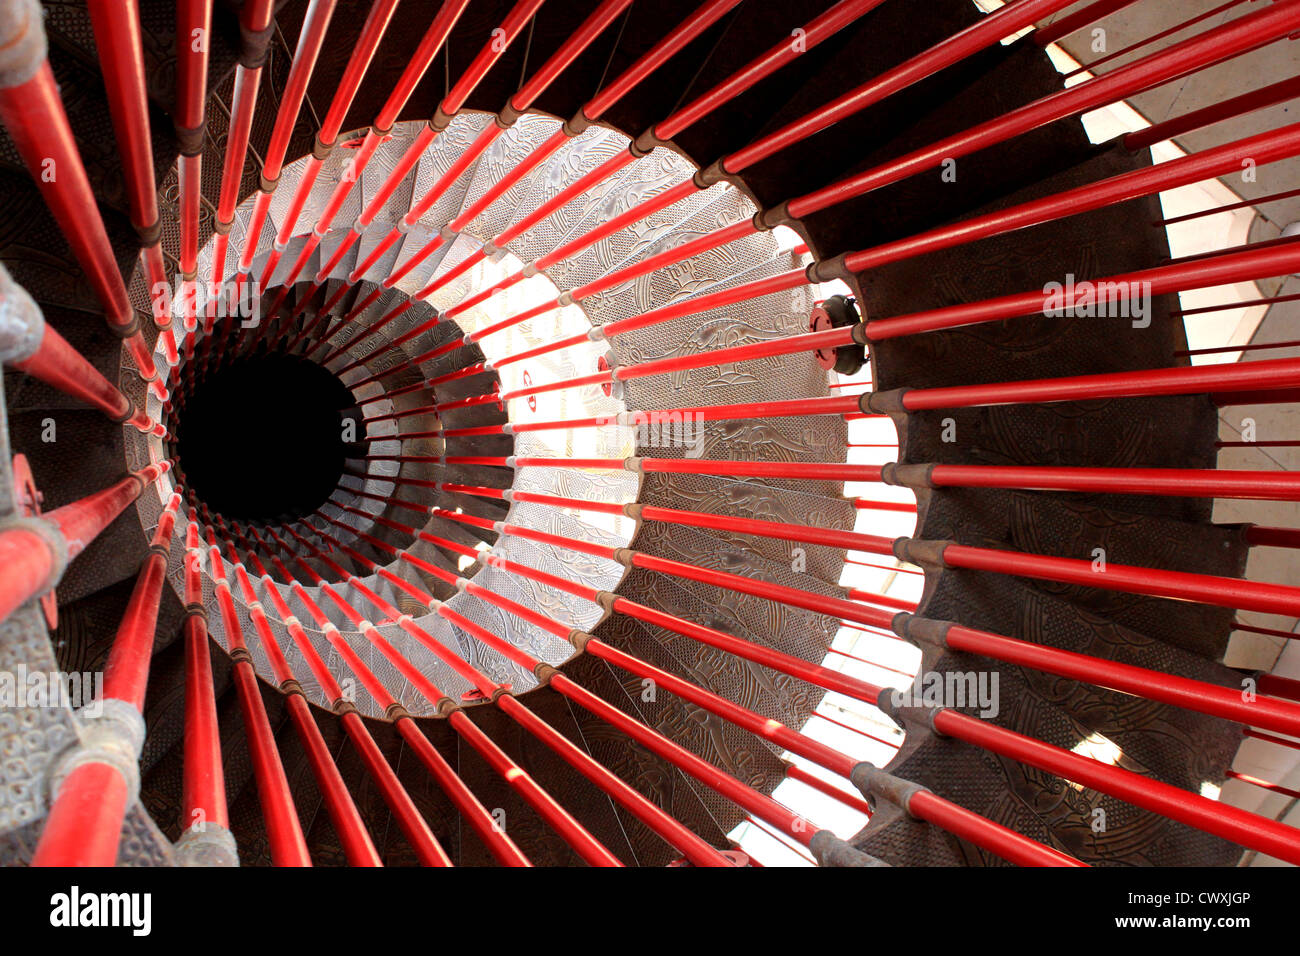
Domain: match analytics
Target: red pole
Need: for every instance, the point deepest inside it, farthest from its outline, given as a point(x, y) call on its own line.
point(1220, 819)
point(1225, 702)
point(1259, 596)
point(1188, 483)
point(1221, 269)
point(58, 364)
point(204, 786)
point(310, 40)
point(85, 821)
point(81, 521)
point(1214, 113)
point(255, 22)
point(127, 672)
point(1214, 46)
point(1268, 147)
point(990, 29)
point(30, 567)
point(193, 39)
point(117, 38)
point(284, 833)
point(1262, 376)
point(33, 113)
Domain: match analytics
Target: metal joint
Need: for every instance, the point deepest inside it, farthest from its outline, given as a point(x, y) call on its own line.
point(22, 325)
point(440, 120)
point(906, 716)
point(916, 629)
point(396, 712)
point(114, 736)
point(212, 845)
point(875, 783)
point(320, 151)
point(924, 554)
point(883, 403)
point(254, 45)
point(191, 140)
point(576, 125)
point(23, 47)
point(830, 850)
point(710, 175)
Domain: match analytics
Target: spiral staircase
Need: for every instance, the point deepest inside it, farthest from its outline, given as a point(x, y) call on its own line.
point(550, 300)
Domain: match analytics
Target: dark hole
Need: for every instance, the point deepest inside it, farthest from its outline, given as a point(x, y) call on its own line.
point(262, 439)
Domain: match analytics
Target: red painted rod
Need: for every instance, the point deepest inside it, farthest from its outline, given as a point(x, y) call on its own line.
point(1187, 483)
point(1263, 376)
point(56, 363)
point(983, 832)
point(33, 114)
point(1226, 702)
point(85, 821)
point(788, 345)
point(117, 39)
point(30, 568)
point(1214, 46)
point(1222, 269)
point(82, 521)
point(193, 40)
point(1221, 819)
point(1215, 113)
point(288, 846)
point(348, 824)
point(127, 672)
point(574, 833)
point(1259, 596)
point(203, 796)
point(808, 600)
point(255, 18)
point(310, 40)
point(843, 405)
point(284, 832)
point(989, 30)
point(1264, 148)
point(851, 800)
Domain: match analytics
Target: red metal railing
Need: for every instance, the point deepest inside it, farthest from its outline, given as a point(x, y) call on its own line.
point(91, 800)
